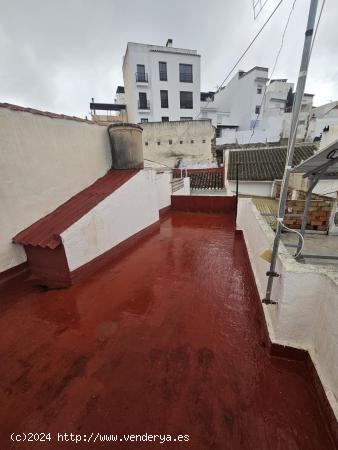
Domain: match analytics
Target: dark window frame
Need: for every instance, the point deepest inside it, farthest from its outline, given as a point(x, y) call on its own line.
point(164, 98)
point(144, 103)
point(257, 109)
point(186, 103)
point(163, 73)
point(186, 76)
point(166, 118)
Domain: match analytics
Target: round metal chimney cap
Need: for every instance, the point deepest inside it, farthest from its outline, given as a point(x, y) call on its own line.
point(125, 125)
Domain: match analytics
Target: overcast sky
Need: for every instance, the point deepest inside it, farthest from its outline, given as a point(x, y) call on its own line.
point(56, 55)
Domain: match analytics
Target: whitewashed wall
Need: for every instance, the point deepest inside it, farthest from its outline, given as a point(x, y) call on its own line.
point(201, 132)
point(231, 136)
point(254, 188)
point(43, 162)
point(150, 55)
point(306, 315)
point(130, 209)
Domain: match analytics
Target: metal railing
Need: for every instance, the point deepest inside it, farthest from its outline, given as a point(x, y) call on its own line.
point(141, 77)
point(143, 104)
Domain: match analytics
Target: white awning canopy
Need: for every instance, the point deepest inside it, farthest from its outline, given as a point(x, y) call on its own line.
point(323, 164)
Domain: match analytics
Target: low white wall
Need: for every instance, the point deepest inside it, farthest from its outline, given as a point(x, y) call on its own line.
point(190, 141)
point(44, 161)
point(162, 181)
point(130, 209)
point(230, 136)
point(306, 315)
point(185, 190)
point(254, 188)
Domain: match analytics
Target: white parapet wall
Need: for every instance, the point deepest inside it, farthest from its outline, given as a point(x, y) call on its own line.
point(128, 210)
point(306, 315)
point(188, 141)
point(44, 161)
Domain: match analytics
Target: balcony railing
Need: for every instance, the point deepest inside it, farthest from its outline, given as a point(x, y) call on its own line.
point(141, 77)
point(144, 104)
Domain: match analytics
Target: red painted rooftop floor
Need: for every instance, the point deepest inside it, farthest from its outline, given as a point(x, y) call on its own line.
point(166, 340)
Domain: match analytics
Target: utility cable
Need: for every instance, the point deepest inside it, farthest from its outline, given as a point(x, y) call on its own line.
point(238, 60)
point(273, 68)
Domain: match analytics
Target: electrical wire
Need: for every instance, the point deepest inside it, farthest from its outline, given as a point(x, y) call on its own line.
point(273, 68)
point(238, 60)
point(317, 25)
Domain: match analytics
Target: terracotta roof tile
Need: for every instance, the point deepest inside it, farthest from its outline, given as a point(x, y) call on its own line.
point(264, 164)
point(212, 178)
point(46, 231)
point(44, 113)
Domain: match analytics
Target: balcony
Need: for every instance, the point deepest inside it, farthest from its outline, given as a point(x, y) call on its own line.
point(141, 77)
point(144, 105)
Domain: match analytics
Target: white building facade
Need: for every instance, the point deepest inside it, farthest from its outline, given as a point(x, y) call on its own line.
point(161, 83)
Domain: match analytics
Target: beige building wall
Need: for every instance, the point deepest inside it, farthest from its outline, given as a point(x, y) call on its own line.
point(43, 162)
point(170, 142)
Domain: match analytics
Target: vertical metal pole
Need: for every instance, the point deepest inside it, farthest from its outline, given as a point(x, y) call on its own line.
point(236, 192)
point(291, 144)
point(313, 182)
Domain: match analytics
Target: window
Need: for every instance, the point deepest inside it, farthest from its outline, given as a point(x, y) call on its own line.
point(164, 99)
point(181, 142)
point(259, 89)
point(203, 141)
point(146, 143)
point(144, 120)
point(185, 100)
point(185, 118)
point(186, 73)
point(170, 141)
point(163, 70)
point(301, 122)
point(257, 109)
point(218, 132)
point(158, 143)
point(165, 119)
point(142, 101)
point(192, 141)
point(141, 74)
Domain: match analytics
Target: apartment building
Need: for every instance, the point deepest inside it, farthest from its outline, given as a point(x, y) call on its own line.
point(161, 83)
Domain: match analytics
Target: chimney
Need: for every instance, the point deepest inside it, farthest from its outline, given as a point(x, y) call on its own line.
point(169, 43)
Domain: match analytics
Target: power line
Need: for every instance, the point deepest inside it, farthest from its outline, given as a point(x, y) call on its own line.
point(317, 25)
point(273, 68)
point(239, 59)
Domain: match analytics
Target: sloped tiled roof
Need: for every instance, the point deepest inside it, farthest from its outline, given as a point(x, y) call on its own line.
point(212, 178)
point(46, 231)
point(44, 113)
point(265, 164)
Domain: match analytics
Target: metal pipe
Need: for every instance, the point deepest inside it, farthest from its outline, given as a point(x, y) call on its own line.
point(291, 144)
point(313, 182)
point(236, 192)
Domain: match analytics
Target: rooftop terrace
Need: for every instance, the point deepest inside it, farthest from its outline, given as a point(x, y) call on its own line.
point(167, 338)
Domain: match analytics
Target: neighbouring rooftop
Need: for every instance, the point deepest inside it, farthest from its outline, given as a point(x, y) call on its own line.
point(264, 164)
point(208, 178)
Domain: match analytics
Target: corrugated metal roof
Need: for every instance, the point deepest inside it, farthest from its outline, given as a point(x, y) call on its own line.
point(46, 231)
point(266, 164)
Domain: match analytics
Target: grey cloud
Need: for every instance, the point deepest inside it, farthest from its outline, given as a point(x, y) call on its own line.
point(57, 55)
